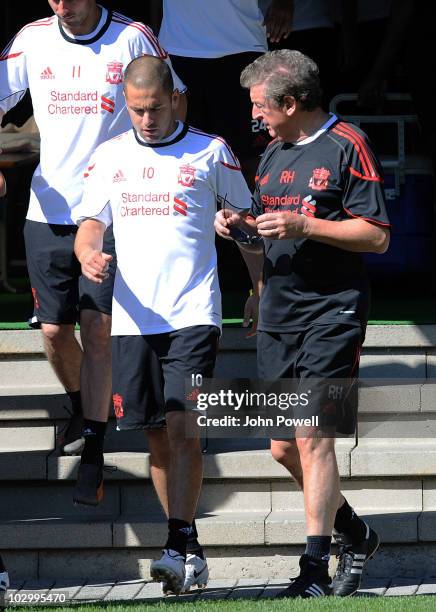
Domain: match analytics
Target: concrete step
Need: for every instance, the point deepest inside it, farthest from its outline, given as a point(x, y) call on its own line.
point(31, 374)
point(248, 528)
point(49, 403)
point(16, 342)
point(230, 513)
point(225, 459)
point(397, 456)
point(226, 563)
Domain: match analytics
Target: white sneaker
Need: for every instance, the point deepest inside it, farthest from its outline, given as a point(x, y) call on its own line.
point(4, 585)
point(197, 572)
point(170, 570)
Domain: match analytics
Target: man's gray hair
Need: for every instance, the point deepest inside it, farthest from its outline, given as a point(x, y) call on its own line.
point(285, 73)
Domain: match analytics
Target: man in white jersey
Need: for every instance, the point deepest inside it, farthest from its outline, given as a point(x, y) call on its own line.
point(73, 64)
point(158, 184)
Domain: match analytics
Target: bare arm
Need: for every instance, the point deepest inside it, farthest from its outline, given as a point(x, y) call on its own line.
point(355, 235)
point(88, 249)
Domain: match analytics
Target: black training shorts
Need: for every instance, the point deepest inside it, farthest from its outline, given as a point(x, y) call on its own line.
point(59, 291)
point(325, 361)
point(149, 373)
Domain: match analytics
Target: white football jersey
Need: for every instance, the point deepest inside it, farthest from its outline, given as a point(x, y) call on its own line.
point(162, 201)
point(77, 96)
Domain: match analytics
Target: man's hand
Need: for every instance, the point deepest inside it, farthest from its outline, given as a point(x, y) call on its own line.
point(2, 185)
point(95, 265)
point(224, 219)
point(282, 225)
point(278, 19)
point(251, 312)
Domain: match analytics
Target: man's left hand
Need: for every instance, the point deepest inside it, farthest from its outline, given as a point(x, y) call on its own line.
point(278, 19)
point(282, 225)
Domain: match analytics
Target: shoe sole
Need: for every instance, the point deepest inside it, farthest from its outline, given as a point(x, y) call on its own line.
point(170, 578)
point(88, 501)
point(74, 448)
point(360, 582)
point(199, 586)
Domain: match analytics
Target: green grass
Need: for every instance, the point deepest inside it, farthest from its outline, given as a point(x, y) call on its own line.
point(360, 604)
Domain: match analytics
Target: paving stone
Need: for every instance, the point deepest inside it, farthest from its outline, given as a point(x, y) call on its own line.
point(373, 587)
point(402, 586)
point(211, 594)
point(93, 592)
point(248, 588)
point(274, 587)
point(427, 588)
point(71, 587)
point(124, 590)
point(151, 591)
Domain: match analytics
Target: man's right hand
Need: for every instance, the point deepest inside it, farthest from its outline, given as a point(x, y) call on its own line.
point(224, 219)
point(95, 265)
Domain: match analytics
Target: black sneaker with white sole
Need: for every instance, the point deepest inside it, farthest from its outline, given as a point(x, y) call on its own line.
point(313, 580)
point(351, 561)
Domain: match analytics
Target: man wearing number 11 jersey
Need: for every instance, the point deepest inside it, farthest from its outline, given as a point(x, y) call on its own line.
point(72, 63)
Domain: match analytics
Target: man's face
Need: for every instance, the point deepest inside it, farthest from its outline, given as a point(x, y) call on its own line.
point(75, 15)
point(275, 118)
point(152, 111)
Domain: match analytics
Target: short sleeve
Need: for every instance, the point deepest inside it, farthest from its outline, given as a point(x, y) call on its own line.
point(148, 44)
point(364, 194)
point(95, 202)
point(13, 73)
point(231, 188)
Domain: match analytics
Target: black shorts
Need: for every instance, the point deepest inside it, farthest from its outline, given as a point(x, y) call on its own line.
point(218, 104)
point(149, 373)
point(59, 290)
point(316, 356)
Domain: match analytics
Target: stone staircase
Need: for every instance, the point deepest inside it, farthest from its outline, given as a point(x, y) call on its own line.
point(251, 518)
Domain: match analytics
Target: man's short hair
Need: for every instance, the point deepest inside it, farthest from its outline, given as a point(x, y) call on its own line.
point(148, 71)
point(285, 73)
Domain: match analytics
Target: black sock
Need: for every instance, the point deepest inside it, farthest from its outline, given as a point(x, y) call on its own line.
point(178, 534)
point(350, 524)
point(93, 432)
point(76, 401)
point(2, 565)
point(318, 547)
point(193, 546)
